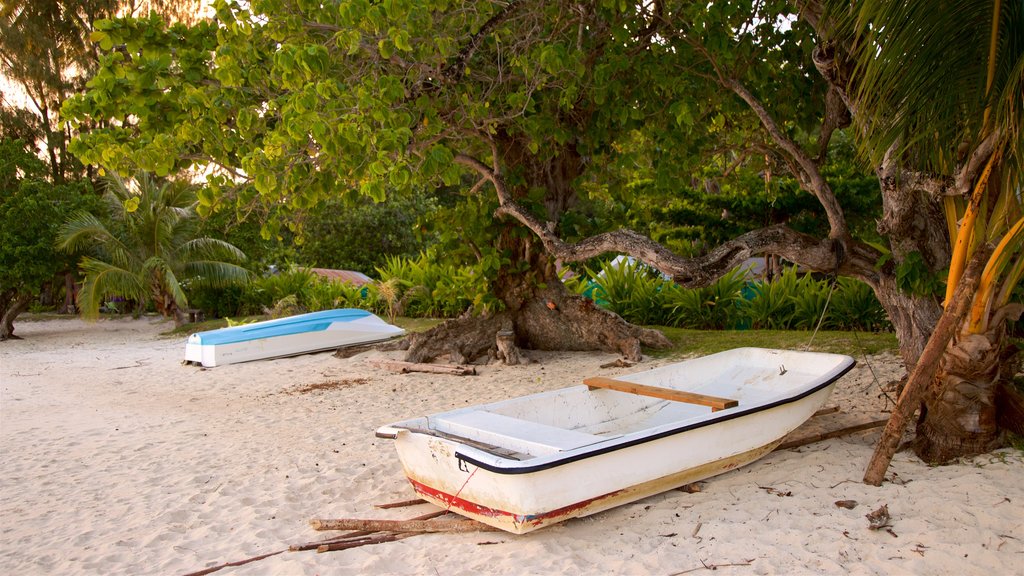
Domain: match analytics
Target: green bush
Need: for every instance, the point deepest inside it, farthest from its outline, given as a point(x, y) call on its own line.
point(714, 307)
point(632, 291)
point(425, 288)
point(790, 302)
point(855, 307)
point(771, 306)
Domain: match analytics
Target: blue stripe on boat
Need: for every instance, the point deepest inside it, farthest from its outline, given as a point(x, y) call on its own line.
point(312, 322)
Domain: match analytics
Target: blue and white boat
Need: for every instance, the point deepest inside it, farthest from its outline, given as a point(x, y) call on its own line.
point(301, 334)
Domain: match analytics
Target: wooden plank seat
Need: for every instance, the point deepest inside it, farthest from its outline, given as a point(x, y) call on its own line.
point(716, 403)
point(513, 433)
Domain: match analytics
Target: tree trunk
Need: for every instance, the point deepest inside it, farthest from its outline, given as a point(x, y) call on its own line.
point(543, 316)
point(70, 294)
point(959, 412)
point(540, 311)
point(11, 305)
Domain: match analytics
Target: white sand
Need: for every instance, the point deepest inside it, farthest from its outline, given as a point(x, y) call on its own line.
point(117, 459)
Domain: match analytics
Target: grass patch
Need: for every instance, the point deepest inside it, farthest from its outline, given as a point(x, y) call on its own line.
point(417, 324)
point(703, 342)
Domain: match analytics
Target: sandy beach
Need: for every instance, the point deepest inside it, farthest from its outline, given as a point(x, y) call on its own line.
point(115, 458)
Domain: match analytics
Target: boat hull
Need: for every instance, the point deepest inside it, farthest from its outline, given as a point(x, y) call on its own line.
point(303, 334)
point(520, 497)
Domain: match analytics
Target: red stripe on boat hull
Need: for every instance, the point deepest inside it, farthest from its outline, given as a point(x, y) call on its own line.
point(457, 504)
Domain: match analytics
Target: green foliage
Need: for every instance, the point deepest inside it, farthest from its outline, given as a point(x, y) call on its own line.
point(790, 302)
point(772, 305)
point(435, 290)
point(30, 217)
point(632, 291)
point(31, 210)
point(714, 307)
point(359, 235)
point(914, 276)
point(148, 249)
point(855, 307)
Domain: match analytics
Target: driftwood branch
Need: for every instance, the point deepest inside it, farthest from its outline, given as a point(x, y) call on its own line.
point(402, 504)
point(451, 526)
point(926, 367)
point(213, 569)
point(406, 367)
point(845, 431)
point(360, 534)
point(366, 541)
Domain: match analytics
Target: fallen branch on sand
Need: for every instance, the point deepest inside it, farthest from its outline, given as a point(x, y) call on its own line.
point(797, 442)
point(401, 504)
point(364, 537)
point(404, 367)
point(452, 526)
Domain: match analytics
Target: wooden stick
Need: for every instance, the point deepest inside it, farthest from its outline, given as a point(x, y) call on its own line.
point(824, 411)
point(832, 434)
point(401, 525)
point(716, 403)
point(402, 504)
point(332, 547)
point(213, 569)
point(927, 365)
point(405, 367)
point(358, 534)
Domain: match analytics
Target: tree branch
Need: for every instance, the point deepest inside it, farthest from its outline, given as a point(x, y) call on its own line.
point(808, 174)
point(822, 255)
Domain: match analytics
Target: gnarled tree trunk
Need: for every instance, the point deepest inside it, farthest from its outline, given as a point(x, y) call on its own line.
point(12, 303)
point(540, 311)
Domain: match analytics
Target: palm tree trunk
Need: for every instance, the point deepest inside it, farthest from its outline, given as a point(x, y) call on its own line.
point(959, 410)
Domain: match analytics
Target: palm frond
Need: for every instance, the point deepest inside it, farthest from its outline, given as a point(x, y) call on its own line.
point(210, 248)
point(923, 73)
point(84, 230)
point(214, 274)
point(102, 280)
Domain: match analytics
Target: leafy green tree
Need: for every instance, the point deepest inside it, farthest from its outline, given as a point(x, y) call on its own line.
point(361, 235)
point(31, 210)
point(537, 102)
point(46, 51)
point(149, 251)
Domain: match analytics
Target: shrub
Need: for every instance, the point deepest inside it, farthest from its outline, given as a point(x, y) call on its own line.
point(710, 307)
point(855, 307)
point(770, 304)
point(632, 291)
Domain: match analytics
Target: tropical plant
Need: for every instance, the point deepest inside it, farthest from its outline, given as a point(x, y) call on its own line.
point(942, 90)
point(147, 251)
point(855, 307)
point(632, 290)
point(714, 307)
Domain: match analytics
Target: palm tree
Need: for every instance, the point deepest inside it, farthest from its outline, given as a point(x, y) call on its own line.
point(150, 249)
point(941, 87)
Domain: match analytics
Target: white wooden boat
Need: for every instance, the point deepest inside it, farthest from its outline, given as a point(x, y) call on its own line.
point(529, 462)
point(301, 334)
